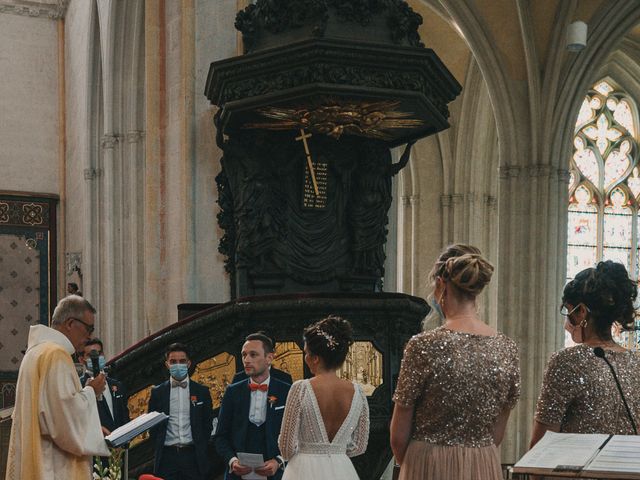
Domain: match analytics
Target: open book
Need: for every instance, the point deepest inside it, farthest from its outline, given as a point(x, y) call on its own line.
point(135, 427)
point(583, 456)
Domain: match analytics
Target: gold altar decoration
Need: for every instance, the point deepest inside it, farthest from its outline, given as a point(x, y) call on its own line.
point(364, 366)
point(289, 358)
point(216, 373)
point(138, 404)
point(333, 118)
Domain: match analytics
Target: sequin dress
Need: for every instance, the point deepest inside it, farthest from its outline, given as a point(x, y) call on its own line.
point(579, 392)
point(458, 383)
point(304, 442)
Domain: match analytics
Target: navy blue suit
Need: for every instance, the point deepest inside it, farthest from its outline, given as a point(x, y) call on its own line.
point(201, 416)
point(233, 422)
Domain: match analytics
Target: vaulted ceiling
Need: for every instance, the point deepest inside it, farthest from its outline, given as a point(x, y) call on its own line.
point(507, 26)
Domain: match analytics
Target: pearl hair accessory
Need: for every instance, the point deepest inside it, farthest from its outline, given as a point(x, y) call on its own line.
point(331, 341)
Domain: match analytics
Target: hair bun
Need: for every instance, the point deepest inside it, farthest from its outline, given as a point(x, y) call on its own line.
point(330, 339)
point(338, 328)
point(609, 294)
point(470, 272)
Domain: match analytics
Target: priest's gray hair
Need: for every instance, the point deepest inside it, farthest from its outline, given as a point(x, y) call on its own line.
point(72, 306)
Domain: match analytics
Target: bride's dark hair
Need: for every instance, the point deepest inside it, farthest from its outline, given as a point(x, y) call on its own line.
point(330, 339)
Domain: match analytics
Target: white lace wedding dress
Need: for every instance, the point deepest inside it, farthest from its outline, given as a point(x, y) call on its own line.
point(304, 443)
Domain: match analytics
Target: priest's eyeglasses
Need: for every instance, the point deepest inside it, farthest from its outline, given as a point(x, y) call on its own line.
point(87, 327)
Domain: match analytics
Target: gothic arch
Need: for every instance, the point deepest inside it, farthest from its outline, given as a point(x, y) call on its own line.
point(466, 18)
point(608, 27)
point(624, 69)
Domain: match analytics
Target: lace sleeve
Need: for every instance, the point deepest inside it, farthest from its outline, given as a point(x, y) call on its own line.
point(288, 439)
point(360, 436)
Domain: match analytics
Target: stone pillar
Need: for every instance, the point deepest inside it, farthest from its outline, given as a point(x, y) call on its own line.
point(109, 280)
point(414, 202)
point(445, 205)
point(134, 320)
point(532, 240)
point(155, 214)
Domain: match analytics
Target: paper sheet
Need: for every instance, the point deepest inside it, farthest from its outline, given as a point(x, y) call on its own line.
point(620, 454)
point(563, 449)
point(253, 460)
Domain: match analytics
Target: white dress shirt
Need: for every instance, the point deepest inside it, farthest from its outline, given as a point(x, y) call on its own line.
point(258, 406)
point(179, 424)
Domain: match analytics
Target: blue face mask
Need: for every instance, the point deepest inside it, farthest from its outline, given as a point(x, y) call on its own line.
point(438, 309)
point(179, 371)
point(101, 361)
point(435, 317)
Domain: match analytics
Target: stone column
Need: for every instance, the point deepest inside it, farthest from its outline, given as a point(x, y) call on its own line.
point(532, 240)
point(155, 214)
point(134, 222)
point(414, 202)
point(109, 280)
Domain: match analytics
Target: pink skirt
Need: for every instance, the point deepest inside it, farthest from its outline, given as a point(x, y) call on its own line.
point(441, 462)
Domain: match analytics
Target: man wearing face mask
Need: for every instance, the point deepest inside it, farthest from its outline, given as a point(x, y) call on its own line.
point(181, 443)
point(112, 404)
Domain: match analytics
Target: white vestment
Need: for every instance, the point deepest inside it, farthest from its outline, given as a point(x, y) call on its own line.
point(56, 427)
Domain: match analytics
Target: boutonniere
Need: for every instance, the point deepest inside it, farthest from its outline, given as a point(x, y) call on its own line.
point(114, 388)
point(272, 400)
point(194, 399)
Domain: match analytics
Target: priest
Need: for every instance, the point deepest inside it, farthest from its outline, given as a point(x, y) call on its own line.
point(56, 428)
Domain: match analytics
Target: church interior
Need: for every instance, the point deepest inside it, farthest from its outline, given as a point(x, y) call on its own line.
point(114, 134)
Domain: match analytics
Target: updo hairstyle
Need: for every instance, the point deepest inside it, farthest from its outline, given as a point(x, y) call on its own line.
point(608, 293)
point(330, 340)
point(465, 268)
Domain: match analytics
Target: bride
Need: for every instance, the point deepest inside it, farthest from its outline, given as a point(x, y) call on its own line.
point(326, 419)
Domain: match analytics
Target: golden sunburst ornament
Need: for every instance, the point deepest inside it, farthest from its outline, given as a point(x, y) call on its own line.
point(333, 118)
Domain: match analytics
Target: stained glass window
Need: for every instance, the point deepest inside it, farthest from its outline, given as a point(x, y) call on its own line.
point(582, 234)
point(604, 188)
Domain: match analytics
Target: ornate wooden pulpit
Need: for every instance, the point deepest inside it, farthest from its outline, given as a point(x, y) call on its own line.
point(306, 120)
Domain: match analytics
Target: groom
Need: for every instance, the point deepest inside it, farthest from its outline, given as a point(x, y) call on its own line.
point(251, 413)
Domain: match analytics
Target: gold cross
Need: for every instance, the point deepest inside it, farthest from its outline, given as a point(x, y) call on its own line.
point(303, 136)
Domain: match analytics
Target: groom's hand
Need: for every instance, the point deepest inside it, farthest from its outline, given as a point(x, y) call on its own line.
point(269, 468)
point(238, 469)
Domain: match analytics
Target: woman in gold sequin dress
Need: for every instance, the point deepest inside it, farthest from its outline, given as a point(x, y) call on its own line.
point(579, 393)
point(457, 384)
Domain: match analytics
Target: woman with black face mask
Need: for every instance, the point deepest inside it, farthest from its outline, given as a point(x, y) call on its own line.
point(580, 393)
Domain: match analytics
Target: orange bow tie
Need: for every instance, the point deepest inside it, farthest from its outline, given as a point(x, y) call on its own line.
point(263, 387)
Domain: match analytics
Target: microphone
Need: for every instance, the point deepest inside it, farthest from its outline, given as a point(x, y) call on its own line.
point(95, 366)
point(95, 363)
point(599, 352)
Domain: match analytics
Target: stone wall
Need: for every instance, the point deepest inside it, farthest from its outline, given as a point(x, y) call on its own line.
point(29, 98)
